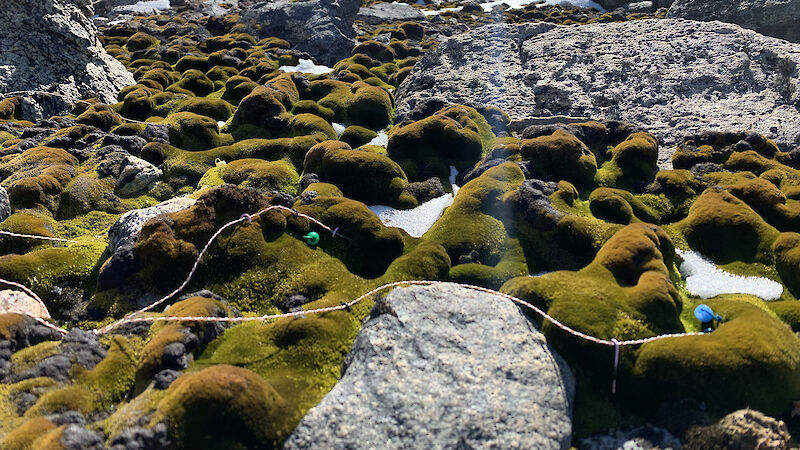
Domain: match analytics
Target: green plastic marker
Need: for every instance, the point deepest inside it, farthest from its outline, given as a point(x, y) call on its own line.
point(311, 238)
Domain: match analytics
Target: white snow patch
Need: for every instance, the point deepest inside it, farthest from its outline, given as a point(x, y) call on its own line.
point(417, 221)
point(516, 4)
point(436, 12)
point(381, 139)
point(307, 66)
point(148, 7)
point(338, 128)
point(220, 124)
point(706, 280)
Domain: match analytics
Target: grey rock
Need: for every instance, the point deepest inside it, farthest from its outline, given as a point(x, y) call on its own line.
point(164, 378)
point(76, 437)
point(777, 18)
point(5, 204)
point(140, 438)
point(389, 12)
point(321, 28)
point(137, 176)
point(126, 229)
point(646, 437)
point(671, 77)
point(52, 45)
point(444, 367)
point(744, 428)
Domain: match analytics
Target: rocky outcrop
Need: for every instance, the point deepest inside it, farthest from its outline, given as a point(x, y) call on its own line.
point(777, 18)
point(52, 45)
point(444, 367)
point(672, 77)
point(389, 12)
point(321, 28)
point(742, 429)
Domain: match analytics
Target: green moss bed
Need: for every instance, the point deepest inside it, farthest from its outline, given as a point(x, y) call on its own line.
point(579, 221)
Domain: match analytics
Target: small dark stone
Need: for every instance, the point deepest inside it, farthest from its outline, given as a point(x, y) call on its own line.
point(307, 180)
point(141, 438)
point(471, 258)
point(73, 417)
point(174, 356)
point(165, 378)
point(308, 196)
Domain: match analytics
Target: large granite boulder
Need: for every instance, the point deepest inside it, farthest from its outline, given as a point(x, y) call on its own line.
point(321, 28)
point(52, 45)
point(672, 77)
point(777, 18)
point(444, 367)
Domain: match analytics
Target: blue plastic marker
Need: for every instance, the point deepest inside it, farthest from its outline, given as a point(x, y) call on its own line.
point(704, 314)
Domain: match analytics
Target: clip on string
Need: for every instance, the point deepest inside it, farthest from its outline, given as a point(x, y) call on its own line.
point(616, 363)
point(347, 307)
point(248, 217)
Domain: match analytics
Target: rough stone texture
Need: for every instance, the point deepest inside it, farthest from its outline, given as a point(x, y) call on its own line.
point(5, 204)
point(136, 176)
point(672, 77)
point(321, 28)
point(126, 229)
point(777, 18)
point(20, 302)
point(743, 429)
point(389, 12)
point(444, 367)
point(52, 45)
point(645, 437)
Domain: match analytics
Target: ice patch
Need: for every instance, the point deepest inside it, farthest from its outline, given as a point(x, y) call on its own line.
point(516, 4)
point(381, 139)
point(221, 124)
point(148, 7)
point(418, 220)
point(706, 280)
point(338, 128)
point(307, 66)
point(432, 12)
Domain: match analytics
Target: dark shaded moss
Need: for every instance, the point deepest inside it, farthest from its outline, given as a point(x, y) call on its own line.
point(369, 177)
point(560, 156)
point(725, 229)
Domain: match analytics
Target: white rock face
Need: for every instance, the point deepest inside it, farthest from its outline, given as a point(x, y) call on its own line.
point(705, 280)
point(52, 45)
point(671, 77)
point(439, 367)
point(20, 302)
point(777, 18)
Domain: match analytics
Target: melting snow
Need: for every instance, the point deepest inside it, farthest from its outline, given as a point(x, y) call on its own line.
point(307, 66)
point(148, 7)
point(418, 220)
point(338, 128)
point(381, 139)
point(705, 280)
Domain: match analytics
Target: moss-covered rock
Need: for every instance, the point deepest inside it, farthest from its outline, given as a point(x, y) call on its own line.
point(224, 405)
point(725, 229)
point(455, 136)
point(619, 206)
point(191, 131)
point(261, 175)
point(633, 163)
point(560, 156)
point(362, 175)
point(738, 365)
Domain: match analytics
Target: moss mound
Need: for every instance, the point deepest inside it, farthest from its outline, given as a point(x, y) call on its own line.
point(222, 406)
